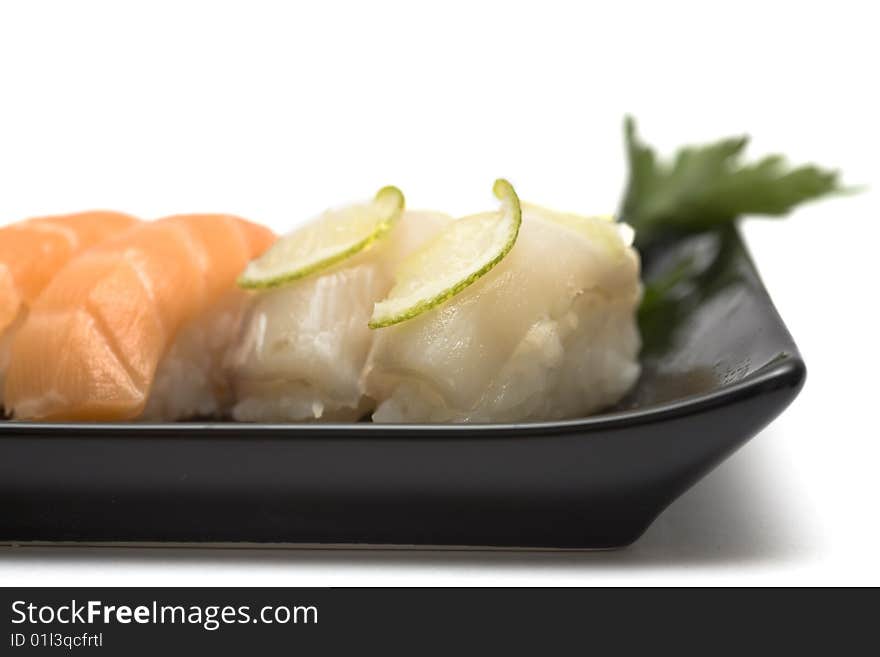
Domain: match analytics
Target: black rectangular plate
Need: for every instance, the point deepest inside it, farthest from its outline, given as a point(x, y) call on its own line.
point(719, 365)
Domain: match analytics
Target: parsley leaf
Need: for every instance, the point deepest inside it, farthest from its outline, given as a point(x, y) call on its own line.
point(708, 186)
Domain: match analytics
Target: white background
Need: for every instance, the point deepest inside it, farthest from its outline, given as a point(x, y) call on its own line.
point(275, 112)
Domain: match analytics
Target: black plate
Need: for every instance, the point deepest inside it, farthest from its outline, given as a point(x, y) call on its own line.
point(719, 366)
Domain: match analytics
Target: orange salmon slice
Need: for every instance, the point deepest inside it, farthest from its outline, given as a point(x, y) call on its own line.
point(93, 339)
point(31, 254)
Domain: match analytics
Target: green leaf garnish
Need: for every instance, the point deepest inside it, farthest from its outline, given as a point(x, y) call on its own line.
point(704, 187)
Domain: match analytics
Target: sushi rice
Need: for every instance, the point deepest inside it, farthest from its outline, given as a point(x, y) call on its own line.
point(191, 381)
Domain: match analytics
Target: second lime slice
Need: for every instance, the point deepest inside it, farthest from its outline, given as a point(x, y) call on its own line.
point(331, 238)
point(452, 261)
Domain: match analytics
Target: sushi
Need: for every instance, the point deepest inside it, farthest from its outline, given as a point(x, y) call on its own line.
point(372, 311)
point(550, 332)
point(32, 252)
point(303, 345)
point(136, 324)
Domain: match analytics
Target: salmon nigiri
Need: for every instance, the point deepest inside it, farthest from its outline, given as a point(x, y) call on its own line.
point(32, 252)
point(134, 327)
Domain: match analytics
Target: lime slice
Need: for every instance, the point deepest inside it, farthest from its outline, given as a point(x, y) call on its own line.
point(332, 237)
point(457, 257)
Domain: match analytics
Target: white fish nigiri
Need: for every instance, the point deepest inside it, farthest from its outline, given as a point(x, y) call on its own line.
point(301, 352)
point(549, 333)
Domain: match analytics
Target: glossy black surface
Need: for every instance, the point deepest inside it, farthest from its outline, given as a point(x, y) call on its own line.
point(719, 365)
